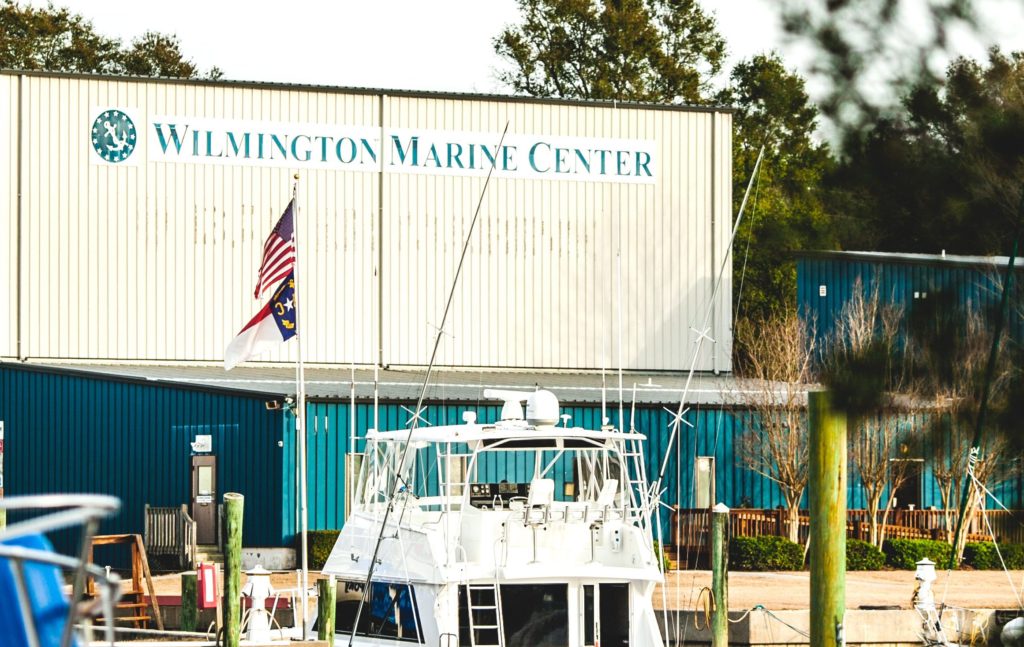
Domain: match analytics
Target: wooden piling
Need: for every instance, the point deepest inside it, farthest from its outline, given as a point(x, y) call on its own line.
point(189, 601)
point(326, 597)
point(720, 576)
point(827, 492)
point(233, 506)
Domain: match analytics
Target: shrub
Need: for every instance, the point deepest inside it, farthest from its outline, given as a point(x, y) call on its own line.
point(765, 553)
point(905, 553)
point(863, 556)
point(983, 556)
point(1014, 556)
point(320, 543)
point(666, 563)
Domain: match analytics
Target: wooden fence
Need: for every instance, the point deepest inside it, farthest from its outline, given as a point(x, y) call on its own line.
point(690, 529)
point(171, 531)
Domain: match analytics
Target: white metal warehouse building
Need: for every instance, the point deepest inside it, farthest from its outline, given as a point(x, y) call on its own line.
point(134, 212)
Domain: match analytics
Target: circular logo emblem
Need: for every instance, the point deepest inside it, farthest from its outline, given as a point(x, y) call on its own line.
point(113, 136)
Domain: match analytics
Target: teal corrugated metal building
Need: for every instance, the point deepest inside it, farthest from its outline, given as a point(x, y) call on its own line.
point(715, 433)
point(72, 432)
point(75, 431)
point(826, 282)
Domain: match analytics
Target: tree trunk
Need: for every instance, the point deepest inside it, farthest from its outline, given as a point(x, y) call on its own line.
point(885, 522)
point(794, 522)
point(872, 501)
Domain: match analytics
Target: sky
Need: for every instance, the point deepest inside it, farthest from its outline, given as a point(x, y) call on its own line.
point(440, 45)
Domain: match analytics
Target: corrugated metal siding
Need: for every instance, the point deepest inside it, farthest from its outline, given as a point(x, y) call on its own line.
point(541, 280)
point(716, 433)
point(900, 283)
point(155, 261)
point(907, 284)
point(721, 325)
point(69, 433)
point(9, 215)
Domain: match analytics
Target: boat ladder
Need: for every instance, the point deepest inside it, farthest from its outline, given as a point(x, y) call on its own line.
point(485, 626)
point(636, 478)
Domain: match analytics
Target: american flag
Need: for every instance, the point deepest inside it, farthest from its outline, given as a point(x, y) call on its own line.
point(278, 253)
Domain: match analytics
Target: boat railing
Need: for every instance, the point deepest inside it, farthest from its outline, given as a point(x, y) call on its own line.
point(33, 581)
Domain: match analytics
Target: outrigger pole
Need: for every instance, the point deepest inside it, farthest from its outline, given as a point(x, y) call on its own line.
point(698, 343)
point(702, 333)
point(423, 391)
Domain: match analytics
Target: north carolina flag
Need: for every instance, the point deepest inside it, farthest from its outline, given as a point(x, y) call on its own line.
point(272, 325)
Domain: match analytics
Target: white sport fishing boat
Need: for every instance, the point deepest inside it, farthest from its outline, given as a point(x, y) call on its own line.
point(523, 533)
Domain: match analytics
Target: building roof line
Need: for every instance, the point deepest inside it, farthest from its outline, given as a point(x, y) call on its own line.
point(413, 94)
point(908, 258)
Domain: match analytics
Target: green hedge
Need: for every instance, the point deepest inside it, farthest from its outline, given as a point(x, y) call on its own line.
point(319, 543)
point(765, 554)
point(863, 556)
point(905, 553)
point(982, 556)
point(1014, 556)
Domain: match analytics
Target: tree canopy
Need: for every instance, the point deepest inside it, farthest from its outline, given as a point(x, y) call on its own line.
point(786, 212)
point(629, 50)
point(947, 172)
point(56, 40)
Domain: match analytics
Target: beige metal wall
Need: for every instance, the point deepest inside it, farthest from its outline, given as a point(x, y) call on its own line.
point(541, 284)
point(156, 261)
point(8, 221)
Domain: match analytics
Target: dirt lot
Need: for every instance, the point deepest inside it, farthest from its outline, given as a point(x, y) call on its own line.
point(778, 591)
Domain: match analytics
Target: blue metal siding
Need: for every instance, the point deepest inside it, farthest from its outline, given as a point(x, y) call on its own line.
point(68, 432)
point(977, 287)
point(716, 433)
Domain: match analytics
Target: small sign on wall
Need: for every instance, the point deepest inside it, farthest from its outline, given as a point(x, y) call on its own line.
point(203, 444)
point(822, 291)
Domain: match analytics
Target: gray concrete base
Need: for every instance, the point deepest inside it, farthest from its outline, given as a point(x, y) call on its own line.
point(272, 559)
point(172, 617)
point(886, 628)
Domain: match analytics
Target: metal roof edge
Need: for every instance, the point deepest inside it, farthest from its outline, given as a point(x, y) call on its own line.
point(905, 258)
point(333, 89)
point(78, 370)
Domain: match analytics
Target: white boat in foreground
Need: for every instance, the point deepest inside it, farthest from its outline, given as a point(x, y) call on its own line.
point(522, 533)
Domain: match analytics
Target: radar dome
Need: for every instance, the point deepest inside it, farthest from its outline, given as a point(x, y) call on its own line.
point(542, 409)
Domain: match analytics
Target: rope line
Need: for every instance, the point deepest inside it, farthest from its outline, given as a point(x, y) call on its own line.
point(746, 251)
point(709, 604)
point(972, 462)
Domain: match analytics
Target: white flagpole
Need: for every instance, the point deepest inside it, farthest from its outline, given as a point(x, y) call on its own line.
point(300, 417)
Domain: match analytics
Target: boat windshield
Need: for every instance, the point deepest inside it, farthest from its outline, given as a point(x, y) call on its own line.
point(497, 473)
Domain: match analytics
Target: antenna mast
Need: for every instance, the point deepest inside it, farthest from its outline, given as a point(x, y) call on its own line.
point(423, 391)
